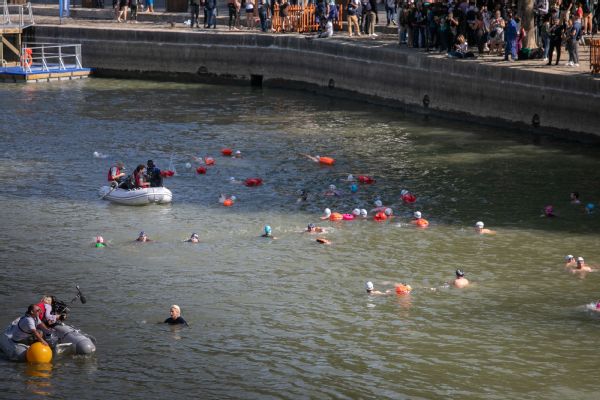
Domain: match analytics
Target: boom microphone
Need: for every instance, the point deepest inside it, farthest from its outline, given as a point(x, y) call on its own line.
point(81, 296)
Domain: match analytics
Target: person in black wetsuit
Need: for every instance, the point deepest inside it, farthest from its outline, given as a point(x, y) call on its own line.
point(175, 318)
point(153, 174)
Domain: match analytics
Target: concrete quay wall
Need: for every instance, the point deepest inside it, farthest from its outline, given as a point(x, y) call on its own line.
point(559, 104)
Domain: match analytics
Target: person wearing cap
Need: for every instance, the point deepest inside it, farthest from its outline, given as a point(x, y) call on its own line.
point(548, 212)
point(363, 213)
point(100, 242)
point(237, 154)
point(116, 173)
point(419, 221)
point(570, 261)
point(194, 238)
point(379, 207)
point(175, 318)
point(312, 228)
point(153, 174)
point(483, 231)
point(372, 292)
point(581, 267)
point(332, 191)
point(326, 214)
point(460, 281)
point(268, 233)
point(142, 237)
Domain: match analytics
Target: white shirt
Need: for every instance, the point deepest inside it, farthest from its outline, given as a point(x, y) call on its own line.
point(23, 327)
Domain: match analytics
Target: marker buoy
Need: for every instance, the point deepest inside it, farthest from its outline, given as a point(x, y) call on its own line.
point(39, 353)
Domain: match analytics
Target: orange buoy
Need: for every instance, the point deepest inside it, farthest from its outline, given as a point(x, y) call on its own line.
point(227, 152)
point(27, 58)
point(228, 203)
point(326, 160)
point(201, 170)
point(403, 289)
point(39, 353)
point(422, 223)
point(336, 216)
point(380, 216)
point(209, 161)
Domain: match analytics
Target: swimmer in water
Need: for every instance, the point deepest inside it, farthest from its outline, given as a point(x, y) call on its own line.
point(350, 178)
point(332, 191)
point(268, 233)
point(326, 214)
point(303, 196)
point(581, 267)
point(460, 281)
point(234, 181)
point(312, 158)
point(418, 220)
point(483, 231)
point(142, 237)
point(312, 228)
point(570, 261)
point(372, 292)
point(100, 242)
point(237, 154)
point(363, 213)
point(323, 241)
point(574, 196)
point(548, 212)
point(389, 213)
point(175, 318)
point(194, 238)
point(378, 206)
point(589, 208)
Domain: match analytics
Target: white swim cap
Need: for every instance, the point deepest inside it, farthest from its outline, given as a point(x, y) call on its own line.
point(356, 212)
point(417, 214)
point(579, 259)
point(479, 224)
point(378, 203)
point(188, 165)
point(363, 212)
point(403, 192)
point(332, 187)
point(327, 212)
point(388, 211)
point(569, 257)
point(233, 198)
point(231, 178)
point(238, 152)
point(369, 286)
point(350, 178)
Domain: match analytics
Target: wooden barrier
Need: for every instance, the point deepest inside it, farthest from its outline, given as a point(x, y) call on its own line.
point(595, 56)
point(301, 19)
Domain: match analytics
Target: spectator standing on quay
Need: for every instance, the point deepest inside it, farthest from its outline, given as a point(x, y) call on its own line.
point(263, 7)
point(195, 13)
point(556, 33)
point(133, 5)
point(351, 11)
point(234, 7)
point(540, 10)
point(571, 44)
point(511, 35)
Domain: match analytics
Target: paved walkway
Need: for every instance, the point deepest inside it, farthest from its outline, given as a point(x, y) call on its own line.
point(387, 37)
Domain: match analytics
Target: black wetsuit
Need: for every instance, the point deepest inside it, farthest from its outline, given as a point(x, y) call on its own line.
point(177, 321)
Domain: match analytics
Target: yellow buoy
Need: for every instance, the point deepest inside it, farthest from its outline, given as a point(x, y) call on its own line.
point(39, 353)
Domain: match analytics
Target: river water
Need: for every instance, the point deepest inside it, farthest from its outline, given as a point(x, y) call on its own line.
point(290, 318)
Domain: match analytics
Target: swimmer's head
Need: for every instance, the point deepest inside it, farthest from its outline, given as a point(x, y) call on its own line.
point(327, 212)
point(363, 213)
point(356, 212)
point(369, 286)
point(549, 210)
point(388, 211)
point(459, 273)
point(238, 153)
point(231, 179)
point(311, 227)
point(580, 260)
point(233, 198)
point(589, 207)
point(99, 239)
point(142, 234)
point(403, 192)
point(479, 225)
point(378, 203)
point(569, 258)
point(267, 230)
point(332, 187)
point(194, 236)
point(417, 214)
point(354, 188)
point(350, 178)
point(574, 195)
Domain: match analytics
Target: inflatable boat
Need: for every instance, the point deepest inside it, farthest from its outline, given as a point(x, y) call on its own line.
point(136, 197)
point(64, 339)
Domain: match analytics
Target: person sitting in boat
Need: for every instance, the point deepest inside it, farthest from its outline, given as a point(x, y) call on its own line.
point(25, 330)
point(116, 173)
point(142, 237)
point(175, 318)
point(153, 174)
point(140, 177)
point(45, 314)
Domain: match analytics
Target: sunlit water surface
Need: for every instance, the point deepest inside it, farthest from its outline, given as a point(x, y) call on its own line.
point(290, 318)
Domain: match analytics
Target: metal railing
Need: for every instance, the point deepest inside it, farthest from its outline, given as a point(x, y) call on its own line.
point(21, 14)
point(43, 57)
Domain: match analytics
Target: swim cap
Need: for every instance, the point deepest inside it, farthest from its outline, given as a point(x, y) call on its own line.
point(460, 273)
point(332, 187)
point(142, 233)
point(354, 188)
point(233, 198)
point(590, 206)
point(378, 203)
point(356, 212)
point(479, 224)
point(267, 229)
point(403, 192)
point(350, 178)
point(417, 214)
point(569, 257)
point(369, 286)
point(311, 226)
point(194, 235)
point(231, 178)
point(238, 152)
point(188, 165)
point(548, 209)
point(99, 239)
point(363, 212)
point(579, 259)
point(388, 211)
point(327, 212)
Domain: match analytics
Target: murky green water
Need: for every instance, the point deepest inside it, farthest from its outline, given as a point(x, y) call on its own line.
point(290, 318)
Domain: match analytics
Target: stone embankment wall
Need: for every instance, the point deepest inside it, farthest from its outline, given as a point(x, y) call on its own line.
point(565, 105)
